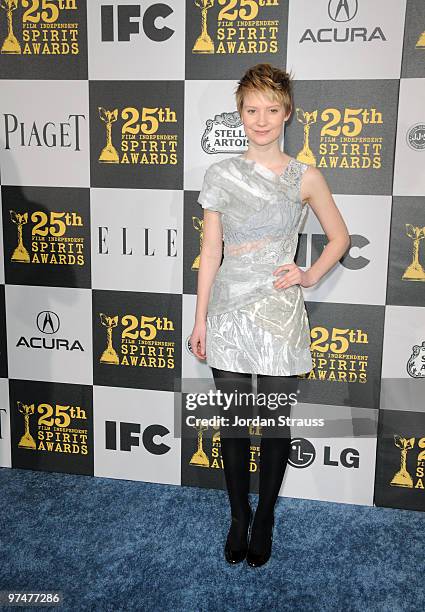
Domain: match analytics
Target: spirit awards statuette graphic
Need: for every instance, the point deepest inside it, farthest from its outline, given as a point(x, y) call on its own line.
point(204, 42)
point(27, 441)
point(198, 225)
point(306, 155)
point(11, 43)
point(402, 478)
point(421, 41)
point(199, 457)
point(20, 254)
point(109, 355)
point(415, 271)
point(109, 154)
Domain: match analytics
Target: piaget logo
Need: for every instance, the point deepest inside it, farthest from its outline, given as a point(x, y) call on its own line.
point(404, 478)
point(244, 27)
point(334, 357)
point(58, 428)
point(136, 342)
point(48, 27)
point(50, 239)
point(137, 138)
point(63, 135)
point(343, 141)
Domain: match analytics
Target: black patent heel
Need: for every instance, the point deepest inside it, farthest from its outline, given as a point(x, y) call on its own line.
point(256, 559)
point(236, 555)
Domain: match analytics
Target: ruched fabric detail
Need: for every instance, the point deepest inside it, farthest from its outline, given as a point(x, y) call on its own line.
point(251, 325)
point(259, 338)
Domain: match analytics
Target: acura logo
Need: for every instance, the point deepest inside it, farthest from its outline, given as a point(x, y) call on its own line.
point(342, 10)
point(48, 322)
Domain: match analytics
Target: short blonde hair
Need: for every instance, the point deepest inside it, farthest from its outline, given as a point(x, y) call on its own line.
point(269, 80)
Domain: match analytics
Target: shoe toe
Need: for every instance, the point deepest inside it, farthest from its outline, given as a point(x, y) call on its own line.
point(255, 560)
point(234, 556)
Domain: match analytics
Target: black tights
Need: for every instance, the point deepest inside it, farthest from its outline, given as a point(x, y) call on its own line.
point(235, 450)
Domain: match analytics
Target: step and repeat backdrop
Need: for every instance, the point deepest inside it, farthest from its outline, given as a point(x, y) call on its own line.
point(110, 113)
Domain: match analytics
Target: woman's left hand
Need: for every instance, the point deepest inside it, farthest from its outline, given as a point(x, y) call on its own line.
point(293, 275)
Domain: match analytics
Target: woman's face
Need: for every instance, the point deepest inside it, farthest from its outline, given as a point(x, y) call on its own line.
point(263, 118)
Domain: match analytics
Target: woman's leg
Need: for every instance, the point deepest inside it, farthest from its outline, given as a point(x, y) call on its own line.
point(235, 451)
point(275, 448)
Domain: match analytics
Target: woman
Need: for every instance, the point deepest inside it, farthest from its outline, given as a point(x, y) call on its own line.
point(250, 314)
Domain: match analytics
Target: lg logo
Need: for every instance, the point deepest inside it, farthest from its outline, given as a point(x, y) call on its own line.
point(303, 454)
point(127, 20)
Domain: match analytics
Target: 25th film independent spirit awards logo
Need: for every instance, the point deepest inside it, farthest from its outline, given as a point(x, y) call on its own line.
point(137, 134)
point(52, 426)
point(40, 34)
point(235, 29)
point(47, 244)
point(137, 339)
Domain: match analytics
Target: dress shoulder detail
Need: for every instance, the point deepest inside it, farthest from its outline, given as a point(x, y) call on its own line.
point(294, 173)
point(212, 195)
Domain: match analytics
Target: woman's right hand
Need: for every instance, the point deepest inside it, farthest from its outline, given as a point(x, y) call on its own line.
point(197, 340)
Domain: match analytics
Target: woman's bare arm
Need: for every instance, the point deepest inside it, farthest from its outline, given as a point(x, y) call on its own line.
point(315, 190)
point(210, 259)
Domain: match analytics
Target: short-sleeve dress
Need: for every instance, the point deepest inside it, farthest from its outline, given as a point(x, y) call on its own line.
point(252, 326)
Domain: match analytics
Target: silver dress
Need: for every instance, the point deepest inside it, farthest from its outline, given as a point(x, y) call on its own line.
point(252, 326)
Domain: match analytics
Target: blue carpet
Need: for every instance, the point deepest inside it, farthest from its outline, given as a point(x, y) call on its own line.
point(113, 545)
